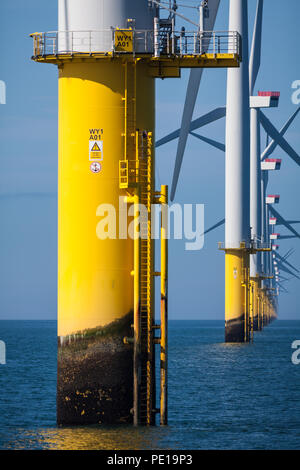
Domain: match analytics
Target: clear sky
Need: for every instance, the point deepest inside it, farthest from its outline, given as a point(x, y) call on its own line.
point(28, 164)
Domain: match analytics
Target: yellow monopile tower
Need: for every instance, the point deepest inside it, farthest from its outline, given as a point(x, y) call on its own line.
point(100, 106)
point(108, 55)
point(104, 97)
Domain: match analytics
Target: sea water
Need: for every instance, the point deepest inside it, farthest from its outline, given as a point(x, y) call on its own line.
point(221, 396)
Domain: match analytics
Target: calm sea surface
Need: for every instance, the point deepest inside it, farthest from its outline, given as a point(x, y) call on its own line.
point(220, 396)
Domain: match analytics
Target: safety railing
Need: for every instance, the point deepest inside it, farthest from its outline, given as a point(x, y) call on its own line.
point(253, 245)
point(261, 246)
point(118, 41)
point(197, 43)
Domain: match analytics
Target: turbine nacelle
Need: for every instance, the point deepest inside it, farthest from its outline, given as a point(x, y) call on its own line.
point(265, 99)
point(274, 236)
point(271, 164)
point(272, 96)
point(272, 199)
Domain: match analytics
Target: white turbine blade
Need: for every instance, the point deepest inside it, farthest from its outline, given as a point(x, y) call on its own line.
point(270, 129)
point(191, 96)
point(212, 116)
point(255, 56)
point(273, 144)
point(286, 270)
point(282, 278)
point(287, 237)
point(289, 253)
point(202, 121)
point(293, 222)
point(189, 105)
point(211, 142)
point(218, 224)
point(168, 138)
point(282, 288)
point(282, 221)
point(283, 261)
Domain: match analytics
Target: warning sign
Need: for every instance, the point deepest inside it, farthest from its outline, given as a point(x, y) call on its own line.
point(96, 150)
point(123, 40)
point(96, 144)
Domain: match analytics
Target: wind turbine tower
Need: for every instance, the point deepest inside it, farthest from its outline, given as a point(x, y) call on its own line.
point(109, 53)
point(259, 245)
point(237, 190)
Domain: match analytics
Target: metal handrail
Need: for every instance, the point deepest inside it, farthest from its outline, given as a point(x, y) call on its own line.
point(252, 245)
point(176, 43)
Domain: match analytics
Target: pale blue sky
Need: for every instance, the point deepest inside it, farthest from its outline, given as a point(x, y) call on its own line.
point(28, 164)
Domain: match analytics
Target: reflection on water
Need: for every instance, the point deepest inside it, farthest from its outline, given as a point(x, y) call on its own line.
point(90, 438)
point(221, 396)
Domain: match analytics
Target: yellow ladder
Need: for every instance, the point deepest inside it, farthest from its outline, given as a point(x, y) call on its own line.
point(144, 143)
point(135, 175)
point(247, 312)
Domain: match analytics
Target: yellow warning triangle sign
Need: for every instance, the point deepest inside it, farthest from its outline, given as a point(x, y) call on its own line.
point(95, 148)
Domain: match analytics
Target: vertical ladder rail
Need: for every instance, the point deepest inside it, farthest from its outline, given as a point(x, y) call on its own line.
point(251, 309)
point(258, 307)
point(136, 321)
point(244, 284)
point(147, 365)
point(136, 175)
point(247, 306)
point(164, 308)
